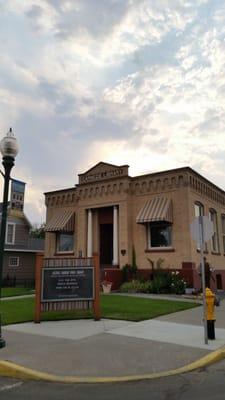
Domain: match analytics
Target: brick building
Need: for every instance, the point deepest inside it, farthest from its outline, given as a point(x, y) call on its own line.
point(112, 213)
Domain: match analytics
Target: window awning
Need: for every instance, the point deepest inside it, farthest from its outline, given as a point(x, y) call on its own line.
point(62, 221)
point(156, 209)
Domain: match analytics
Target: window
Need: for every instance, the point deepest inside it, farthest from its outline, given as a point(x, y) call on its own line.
point(10, 233)
point(199, 209)
point(223, 231)
point(14, 261)
point(214, 241)
point(65, 242)
point(199, 212)
point(159, 234)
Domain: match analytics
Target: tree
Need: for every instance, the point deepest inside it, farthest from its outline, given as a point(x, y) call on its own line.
point(38, 231)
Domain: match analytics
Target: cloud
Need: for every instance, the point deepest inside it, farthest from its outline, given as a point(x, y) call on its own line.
point(78, 18)
point(35, 12)
point(123, 81)
point(107, 31)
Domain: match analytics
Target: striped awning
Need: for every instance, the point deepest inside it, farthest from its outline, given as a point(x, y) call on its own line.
point(62, 221)
point(156, 209)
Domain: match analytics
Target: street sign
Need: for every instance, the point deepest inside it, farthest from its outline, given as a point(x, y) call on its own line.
point(202, 229)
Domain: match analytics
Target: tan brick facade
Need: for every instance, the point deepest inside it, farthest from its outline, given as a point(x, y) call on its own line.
point(106, 186)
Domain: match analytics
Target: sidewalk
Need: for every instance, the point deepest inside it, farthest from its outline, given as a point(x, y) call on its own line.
point(112, 348)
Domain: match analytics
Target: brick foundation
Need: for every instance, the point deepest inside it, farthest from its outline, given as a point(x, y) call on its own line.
point(113, 275)
point(188, 272)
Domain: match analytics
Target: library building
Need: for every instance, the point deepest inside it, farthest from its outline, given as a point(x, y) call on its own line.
point(113, 214)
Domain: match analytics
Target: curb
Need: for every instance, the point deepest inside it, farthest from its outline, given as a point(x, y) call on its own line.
point(12, 370)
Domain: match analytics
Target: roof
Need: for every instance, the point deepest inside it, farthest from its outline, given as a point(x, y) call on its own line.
point(181, 170)
point(105, 164)
point(150, 174)
point(13, 213)
point(61, 190)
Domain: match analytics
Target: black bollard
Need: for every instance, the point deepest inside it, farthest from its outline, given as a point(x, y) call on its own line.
point(211, 329)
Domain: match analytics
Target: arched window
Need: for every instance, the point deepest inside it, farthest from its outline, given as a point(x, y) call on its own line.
point(199, 209)
point(199, 212)
point(215, 239)
point(223, 230)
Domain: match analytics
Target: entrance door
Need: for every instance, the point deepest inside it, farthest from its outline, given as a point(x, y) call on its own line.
point(106, 244)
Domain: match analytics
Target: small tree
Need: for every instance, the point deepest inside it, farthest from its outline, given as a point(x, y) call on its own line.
point(152, 267)
point(129, 271)
point(134, 263)
point(158, 263)
point(38, 231)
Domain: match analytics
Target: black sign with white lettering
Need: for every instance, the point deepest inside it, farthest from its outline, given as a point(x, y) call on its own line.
point(67, 284)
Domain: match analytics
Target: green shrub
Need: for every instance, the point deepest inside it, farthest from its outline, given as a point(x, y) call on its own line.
point(178, 284)
point(146, 287)
point(163, 282)
point(136, 286)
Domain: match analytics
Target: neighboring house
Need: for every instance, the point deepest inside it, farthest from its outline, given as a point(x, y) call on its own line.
point(110, 212)
point(20, 247)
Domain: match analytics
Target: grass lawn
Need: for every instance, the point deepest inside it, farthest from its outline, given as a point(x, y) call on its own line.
point(16, 291)
point(114, 307)
point(139, 309)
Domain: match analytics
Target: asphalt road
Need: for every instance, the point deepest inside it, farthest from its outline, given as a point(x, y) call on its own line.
point(206, 384)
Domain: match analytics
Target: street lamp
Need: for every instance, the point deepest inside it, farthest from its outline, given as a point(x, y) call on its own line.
point(9, 150)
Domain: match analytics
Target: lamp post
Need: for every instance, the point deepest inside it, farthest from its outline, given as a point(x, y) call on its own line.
point(9, 150)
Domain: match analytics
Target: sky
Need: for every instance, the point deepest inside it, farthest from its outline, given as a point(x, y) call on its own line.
point(137, 82)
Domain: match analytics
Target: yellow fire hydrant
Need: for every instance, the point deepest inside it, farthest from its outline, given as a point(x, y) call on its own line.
point(210, 313)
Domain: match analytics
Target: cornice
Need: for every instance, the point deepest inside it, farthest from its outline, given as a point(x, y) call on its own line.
point(159, 182)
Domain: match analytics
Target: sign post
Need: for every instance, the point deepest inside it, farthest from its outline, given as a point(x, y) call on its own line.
point(201, 226)
point(202, 231)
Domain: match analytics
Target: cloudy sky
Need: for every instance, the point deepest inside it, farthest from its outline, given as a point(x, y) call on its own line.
point(138, 82)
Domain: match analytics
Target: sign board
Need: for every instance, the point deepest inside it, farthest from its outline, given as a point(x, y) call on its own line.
point(17, 194)
point(103, 171)
point(18, 186)
point(202, 227)
point(67, 284)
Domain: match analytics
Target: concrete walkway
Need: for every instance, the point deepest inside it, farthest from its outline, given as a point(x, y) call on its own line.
point(109, 347)
point(62, 349)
